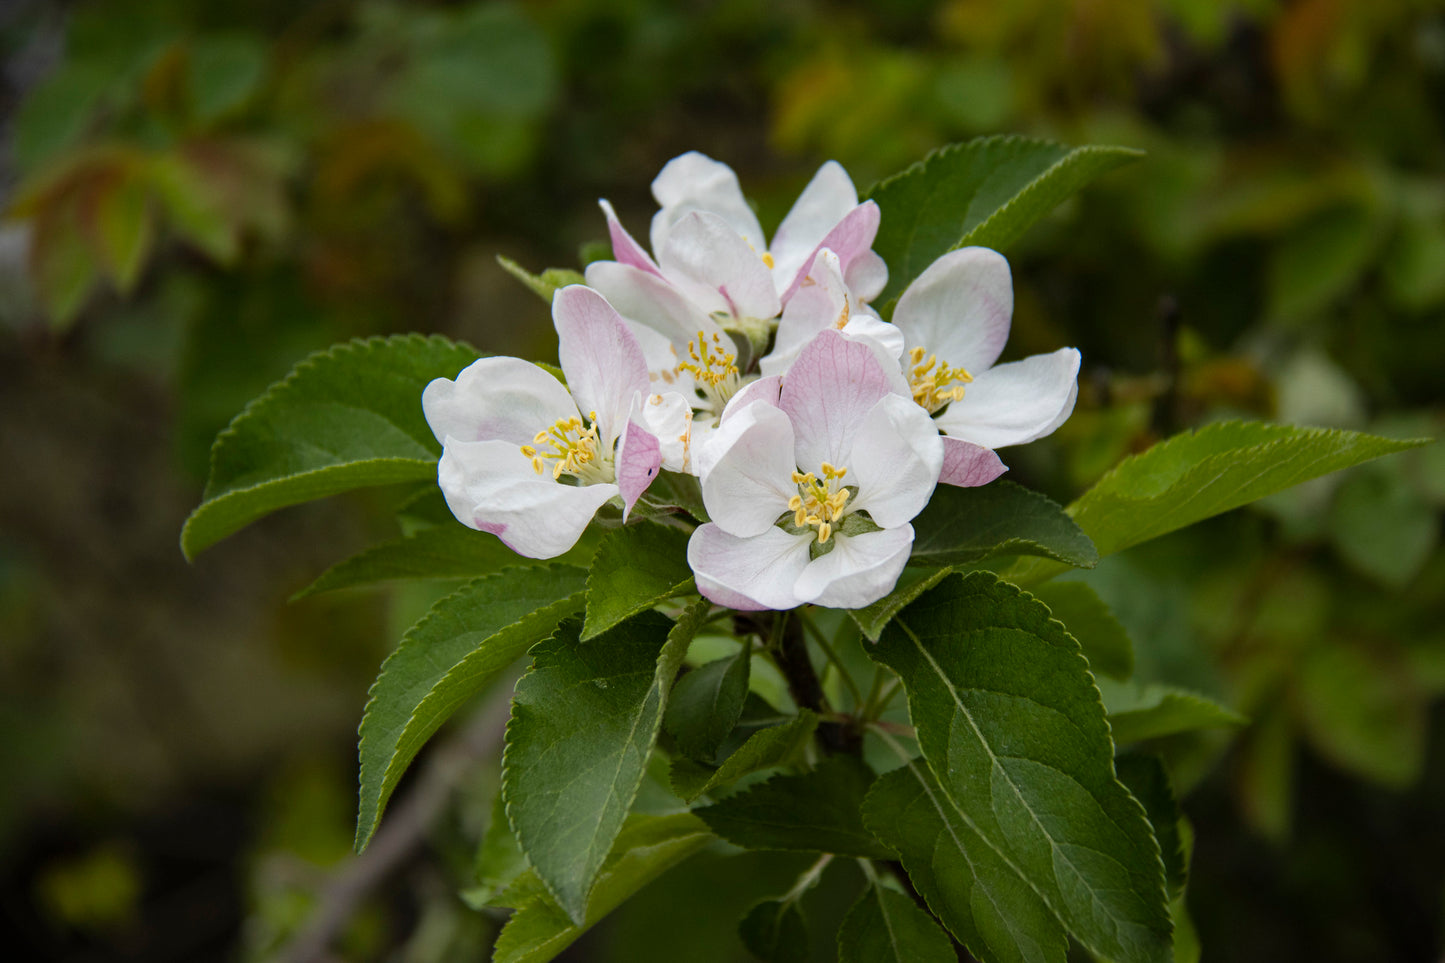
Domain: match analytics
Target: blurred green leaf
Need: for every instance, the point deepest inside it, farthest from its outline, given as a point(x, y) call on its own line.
point(58, 113)
point(886, 926)
point(1320, 261)
point(985, 192)
point(1364, 713)
point(775, 931)
point(63, 264)
point(499, 859)
point(461, 644)
point(1382, 526)
point(1144, 775)
point(344, 418)
point(125, 229)
point(1151, 710)
point(1103, 640)
point(543, 285)
point(224, 71)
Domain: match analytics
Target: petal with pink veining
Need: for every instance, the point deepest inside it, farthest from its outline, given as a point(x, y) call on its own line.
point(746, 470)
point(717, 268)
point(851, 238)
point(603, 362)
point(967, 465)
point(696, 182)
point(625, 250)
point(827, 393)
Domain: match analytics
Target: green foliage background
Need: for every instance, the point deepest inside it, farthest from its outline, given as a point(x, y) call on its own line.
point(199, 195)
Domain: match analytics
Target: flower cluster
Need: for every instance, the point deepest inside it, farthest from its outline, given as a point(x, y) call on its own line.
point(816, 429)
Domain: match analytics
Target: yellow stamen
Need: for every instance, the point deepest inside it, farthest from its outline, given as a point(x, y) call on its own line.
point(935, 383)
point(713, 368)
point(767, 259)
point(573, 447)
point(820, 503)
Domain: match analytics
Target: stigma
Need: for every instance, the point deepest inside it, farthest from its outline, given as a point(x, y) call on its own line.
point(820, 502)
point(574, 449)
point(935, 383)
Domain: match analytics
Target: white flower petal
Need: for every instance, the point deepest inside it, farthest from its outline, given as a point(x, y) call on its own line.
point(821, 302)
point(603, 362)
point(668, 417)
point(959, 308)
point(867, 275)
point(696, 182)
point(827, 199)
point(746, 470)
point(851, 239)
point(829, 390)
point(717, 268)
point(763, 389)
point(492, 487)
point(896, 459)
point(748, 573)
point(865, 326)
point(859, 571)
point(1016, 402)
point(504, 399)
point(651, 300)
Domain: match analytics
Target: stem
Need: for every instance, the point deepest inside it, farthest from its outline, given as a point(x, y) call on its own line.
point(882, 692)
point(832, 655)
point(791, 655)
point(808, 880)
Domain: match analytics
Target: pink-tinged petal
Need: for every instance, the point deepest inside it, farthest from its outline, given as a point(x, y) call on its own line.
point(765, 390)
point(967, 465)
point(603, 362)
point(826, 200)
point(668, 417)
point(859, 571)
point(717, 268)
point(746, 470)
point(867, 275)
point(749, 574)
point(492, 487)
point(696, 182)
point(650, 300)
point(829, 390)
point(625, 250)
point(639, 457)
point(503, 399)
point(1017, 402)
point(896, 458)
point(821, 302)
point(850, 239)
point(960, 308)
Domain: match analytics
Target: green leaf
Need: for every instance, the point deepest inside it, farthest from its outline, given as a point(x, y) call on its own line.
point(499, 861)
point(817, 811)
point(766, 748)
point(583, 722)
point(980, 892)
point(1105, 642)
point(986, 191)
point(544, 285)
point(964, 525)
point(637, 566)
point(344, 418)
point(1383, 526)
point(65, 268)
point(646, 848)
point(1008, 717)
point(1152, 710)
point(225, 69)
point(1148, 781)
point(446, 551)
point(1363, 712)
point(912, 583)
point(706, 703)
point(885, 926)
point(445, 659)
point(124, 229)
point(1203, 473)
point(774, 931)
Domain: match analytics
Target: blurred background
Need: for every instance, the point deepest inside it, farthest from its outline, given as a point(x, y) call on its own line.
point(198, 194)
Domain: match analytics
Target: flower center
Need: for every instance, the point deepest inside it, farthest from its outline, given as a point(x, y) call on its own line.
point(820, 503)
point(935, 384)
point(574, 448)
point(714, 370)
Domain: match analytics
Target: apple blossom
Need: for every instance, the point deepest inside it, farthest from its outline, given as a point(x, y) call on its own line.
point(811, 480)
point(955, 319)
point(531, 460)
